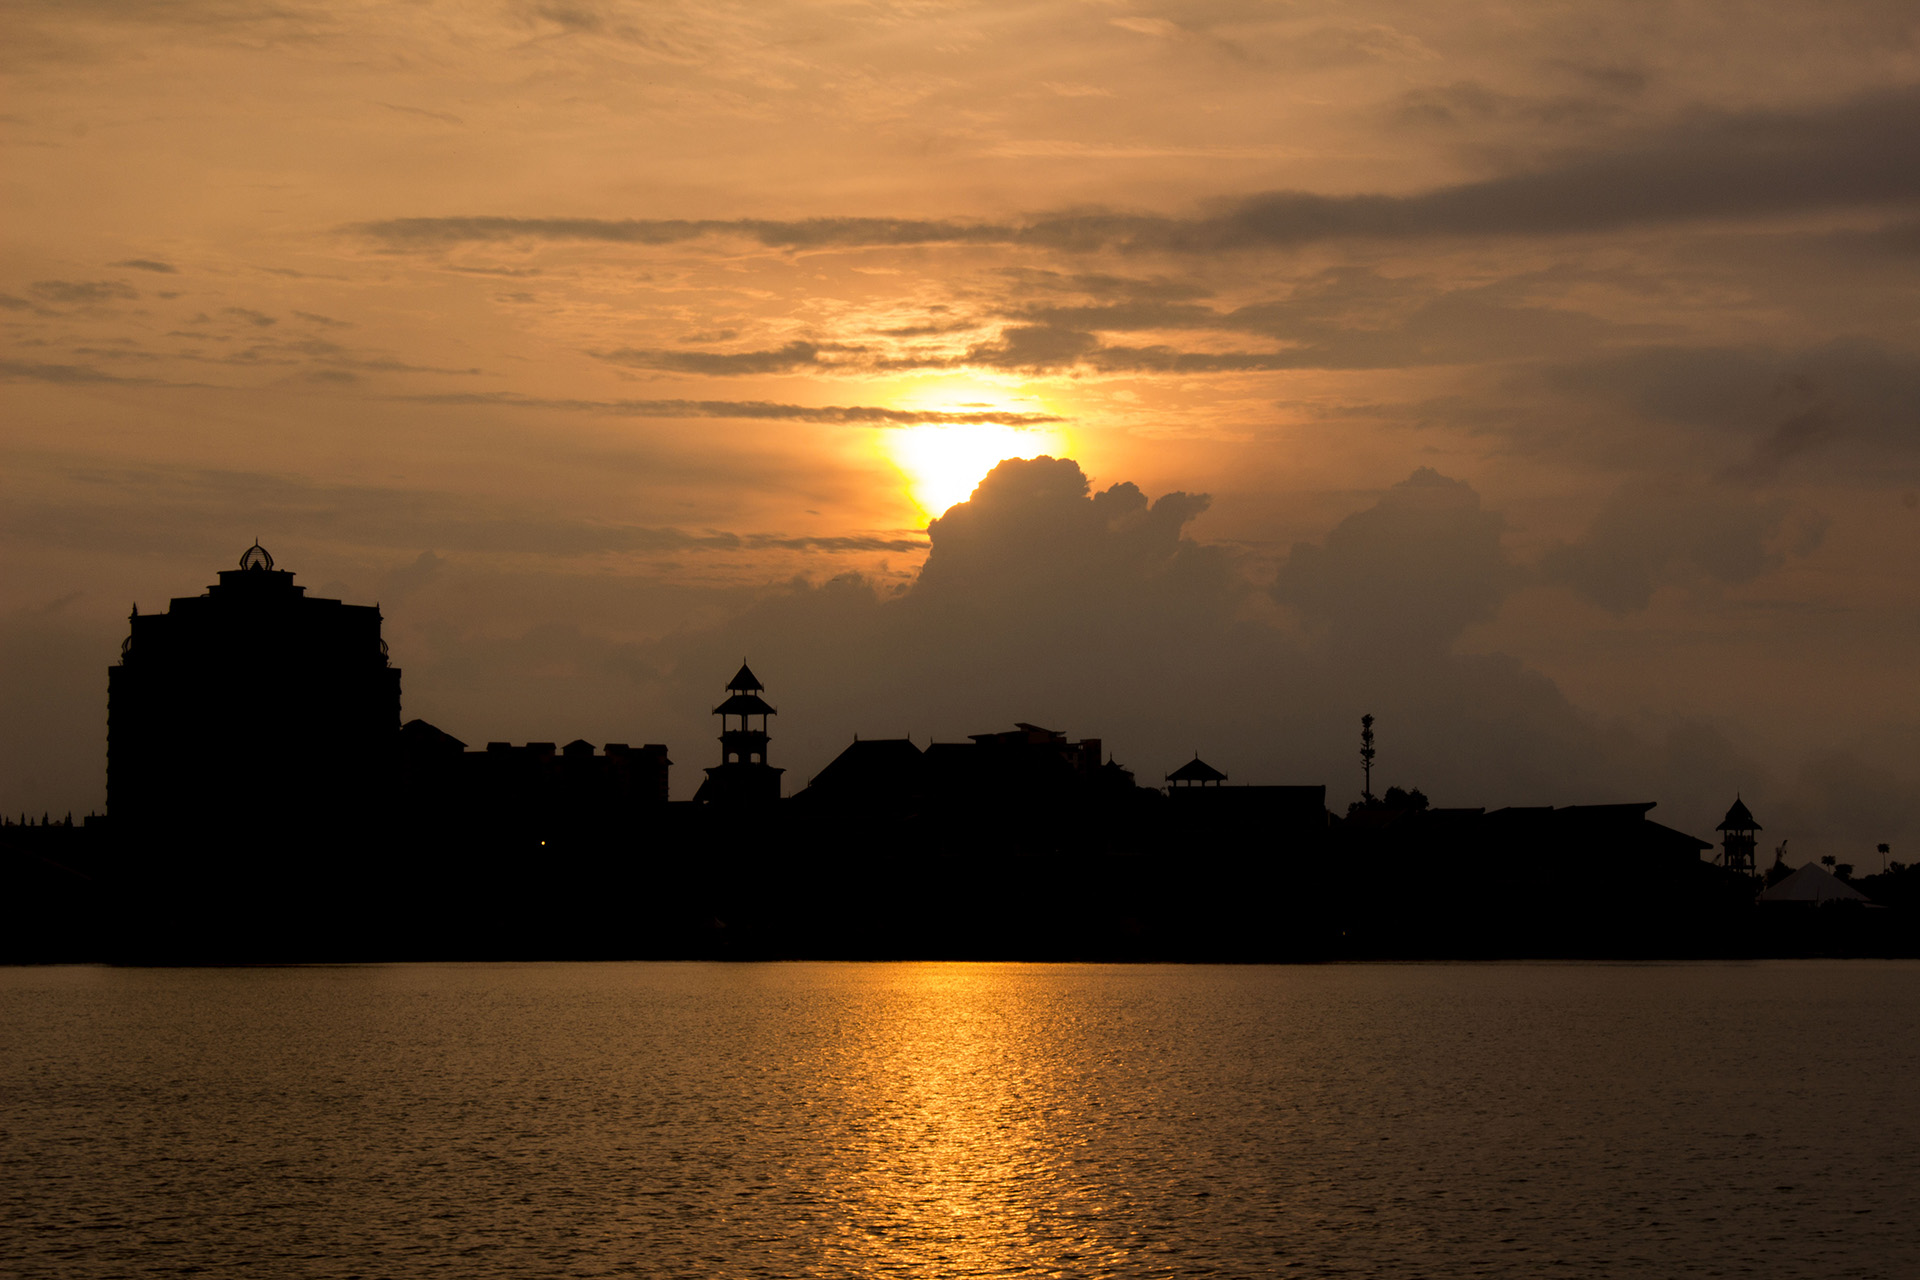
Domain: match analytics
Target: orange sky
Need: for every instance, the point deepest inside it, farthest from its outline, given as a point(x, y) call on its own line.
point(1551, 372)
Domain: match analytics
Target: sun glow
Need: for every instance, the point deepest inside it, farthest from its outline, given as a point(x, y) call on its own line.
point(942, 464)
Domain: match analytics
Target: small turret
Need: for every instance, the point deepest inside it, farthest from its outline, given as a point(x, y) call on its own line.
point(1737, 837)
point(743, 775)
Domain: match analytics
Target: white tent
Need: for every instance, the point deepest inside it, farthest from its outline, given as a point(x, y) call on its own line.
point(1812, 883)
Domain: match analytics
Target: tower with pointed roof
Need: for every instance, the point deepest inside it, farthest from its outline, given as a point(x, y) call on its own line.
point(743, 775)
point(1737, 837)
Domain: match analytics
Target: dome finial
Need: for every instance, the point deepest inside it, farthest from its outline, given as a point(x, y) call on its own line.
point(256, 557)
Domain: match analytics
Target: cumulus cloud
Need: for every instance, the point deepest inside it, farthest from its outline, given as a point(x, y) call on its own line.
point(1035, 529)
point(1099, 613)
point(1649, 536)
point(1408, 574)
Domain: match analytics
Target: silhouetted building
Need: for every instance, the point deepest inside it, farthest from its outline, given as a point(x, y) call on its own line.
point(1737, 837)
point(250, 709)
point(743, 775)
point(1196, 773)
point(1246, 821)
point(1528, 880)
point(531, 795)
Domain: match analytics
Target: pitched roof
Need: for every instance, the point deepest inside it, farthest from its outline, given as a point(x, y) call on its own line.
point(744, 681)
point(745, 704)
point(872, 769)
point(1812, 883)
point(1196, 770)
point(1739, 818)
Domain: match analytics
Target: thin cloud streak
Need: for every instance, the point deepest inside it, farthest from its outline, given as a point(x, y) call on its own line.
point(1864, 152)
point(758, 410)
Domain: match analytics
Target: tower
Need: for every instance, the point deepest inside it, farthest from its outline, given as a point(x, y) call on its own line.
point(1737, 837)
point(743, 775)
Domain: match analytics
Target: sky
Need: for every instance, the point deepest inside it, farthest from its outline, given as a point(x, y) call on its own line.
point(1542, 379)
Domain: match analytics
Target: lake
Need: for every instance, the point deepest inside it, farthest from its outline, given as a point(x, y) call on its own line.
point(1756, 1119)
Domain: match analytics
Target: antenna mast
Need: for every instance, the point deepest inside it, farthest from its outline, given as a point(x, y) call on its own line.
point(1366, 758)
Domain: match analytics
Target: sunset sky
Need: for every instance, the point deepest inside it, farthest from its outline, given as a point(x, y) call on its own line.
point(1541, 378)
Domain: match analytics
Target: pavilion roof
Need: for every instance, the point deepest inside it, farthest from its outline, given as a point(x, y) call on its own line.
point(1196, 770)
point(1739, 818)
point(745, 704)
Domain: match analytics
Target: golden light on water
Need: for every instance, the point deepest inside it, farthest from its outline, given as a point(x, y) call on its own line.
point(943, 463)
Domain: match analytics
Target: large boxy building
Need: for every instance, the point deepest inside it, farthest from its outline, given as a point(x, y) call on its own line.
point(252, 704)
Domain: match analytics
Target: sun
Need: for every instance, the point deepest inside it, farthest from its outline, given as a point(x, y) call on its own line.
point(942, 462)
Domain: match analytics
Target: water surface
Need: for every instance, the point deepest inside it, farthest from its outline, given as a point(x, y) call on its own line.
point(962, 1119)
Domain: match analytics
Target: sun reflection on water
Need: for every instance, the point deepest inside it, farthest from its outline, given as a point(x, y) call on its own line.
point(964, 1156)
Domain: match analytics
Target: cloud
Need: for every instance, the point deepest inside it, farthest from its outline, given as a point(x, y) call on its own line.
point(84, 291)
point(1099, 613)
point(809, 233)
point(183, 510)
point(755, 410)
point(794, 355)
point(147, 264)
point(259, 319)
point(1653, 535)
point(409, 579)
point(1035, 525)
point(1408, 574)
point(442, 116)
point(71, 374)
point(1712, 165)
point(1785, 406)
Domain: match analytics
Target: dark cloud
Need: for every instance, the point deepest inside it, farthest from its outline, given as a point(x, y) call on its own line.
point(794, 355)
point(84, 291)
point(1098, 613)
point(810, 233)
point(259, 319)
point(185, 510)
point(1467, 102)
point(1755, 164)
point(411, 578)
point(1406, 575)
point(1847, 801)
point(1343, 318)
point(147, 264)
point(75, 374)
point(442, 116)
point(1035, 526)
point(1783, 405)
point(756, 410)
point(1100, 285)
point(51, 664)
point(1654, 535)
point(326, 321)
